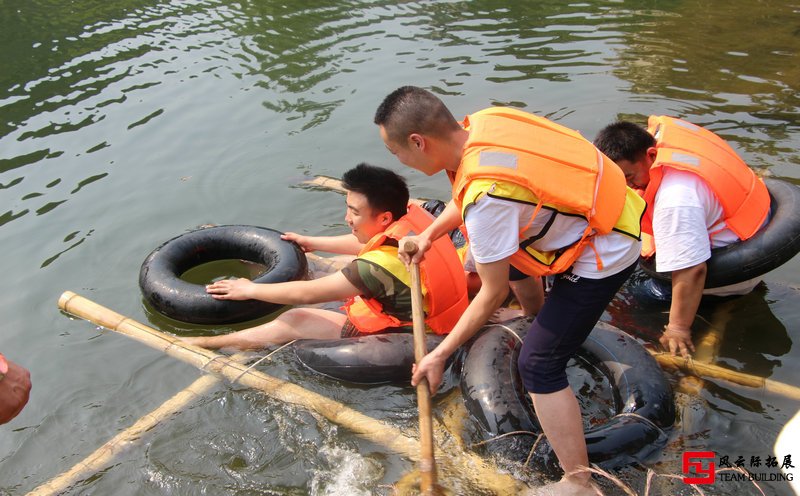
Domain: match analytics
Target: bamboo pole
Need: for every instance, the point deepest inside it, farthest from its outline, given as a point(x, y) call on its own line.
point(707, 370)
point(333, 184)
point(427, 465)
point(471, 467)
point(125, 440)
point(708, 346)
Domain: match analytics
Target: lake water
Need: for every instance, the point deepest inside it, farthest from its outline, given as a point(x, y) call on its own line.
point(127, 123)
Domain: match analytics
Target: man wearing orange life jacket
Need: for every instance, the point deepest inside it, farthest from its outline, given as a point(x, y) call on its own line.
point(376, 284)
point(700, 195)
point(538, 197)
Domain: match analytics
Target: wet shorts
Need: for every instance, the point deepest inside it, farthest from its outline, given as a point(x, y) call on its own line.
point(350, 331)
point(514, 274)
point(569, 314)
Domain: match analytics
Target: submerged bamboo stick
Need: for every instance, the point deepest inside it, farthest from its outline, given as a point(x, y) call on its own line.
point(333, 184)
point(708, 346)
point(106, 454)
point(707, 370)
point(472, 467)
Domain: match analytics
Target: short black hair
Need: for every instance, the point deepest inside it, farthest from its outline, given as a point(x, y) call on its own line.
point(623, 140)
point(410, 109)
point(385, 190)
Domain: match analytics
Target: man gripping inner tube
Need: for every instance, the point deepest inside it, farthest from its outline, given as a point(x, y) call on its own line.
point(162, 286)
point(375, 284)
point(700, 195)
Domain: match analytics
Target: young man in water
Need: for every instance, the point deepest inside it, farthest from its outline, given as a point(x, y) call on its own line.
point(517, 182)
point(700, 195)
point(376, 284)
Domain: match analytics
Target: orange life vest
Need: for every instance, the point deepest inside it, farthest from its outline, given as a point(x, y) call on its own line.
point(442, 276)
point(684, 146)
point(560, 167)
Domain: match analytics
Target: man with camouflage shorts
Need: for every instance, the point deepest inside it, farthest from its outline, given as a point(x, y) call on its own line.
point(376, 284)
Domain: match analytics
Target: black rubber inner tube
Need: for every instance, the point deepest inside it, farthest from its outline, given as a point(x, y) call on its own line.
point(494, 396)
point(436, 207)
point(162, 286)
point(772, 246)
point(373, 359)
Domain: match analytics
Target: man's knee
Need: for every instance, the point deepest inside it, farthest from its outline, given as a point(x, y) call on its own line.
point(542, 374)
point(293, 317)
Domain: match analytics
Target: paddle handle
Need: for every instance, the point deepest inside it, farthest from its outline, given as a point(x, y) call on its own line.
point(417, 306)
point(427, 466)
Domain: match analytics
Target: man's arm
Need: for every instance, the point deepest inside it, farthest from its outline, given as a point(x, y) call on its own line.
point(329, 288)
point(494, 289)
point(15, 388)
point(346, 244)
point(687, 290)
point(449, 219)
point(683, 247)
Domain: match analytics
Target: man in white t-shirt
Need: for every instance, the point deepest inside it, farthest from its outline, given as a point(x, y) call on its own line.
point(688, 221)
point(509, 227)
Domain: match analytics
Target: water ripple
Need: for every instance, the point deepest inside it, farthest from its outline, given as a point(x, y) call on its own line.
point(153, 117)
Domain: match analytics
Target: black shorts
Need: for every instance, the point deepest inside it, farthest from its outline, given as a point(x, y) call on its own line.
point(569, 314)
point(514, 274)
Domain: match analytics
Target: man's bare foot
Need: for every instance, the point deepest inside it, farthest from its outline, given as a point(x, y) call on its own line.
point(565, 487)
point(504, 314)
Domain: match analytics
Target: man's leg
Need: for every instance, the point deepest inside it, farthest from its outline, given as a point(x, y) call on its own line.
point(543, 360)
point(296, 323)
point(560, 417)
point(529, 293)
point(573, 308)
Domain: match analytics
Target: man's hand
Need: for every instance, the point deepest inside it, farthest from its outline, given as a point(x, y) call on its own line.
point(302, 241)
point(232, 289)
point(431, 367)
point(422, 243)
point(15, 389)
point(676, 338)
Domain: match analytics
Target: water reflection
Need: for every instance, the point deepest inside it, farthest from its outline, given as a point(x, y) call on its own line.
point(128, 122)
point(69, 239)
point(733, 68)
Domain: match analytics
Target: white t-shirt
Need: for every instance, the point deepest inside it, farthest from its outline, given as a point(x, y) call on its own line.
point(494, 225)
point(688, 223)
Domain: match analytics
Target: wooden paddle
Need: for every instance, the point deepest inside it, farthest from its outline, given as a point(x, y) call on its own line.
point(427, 463)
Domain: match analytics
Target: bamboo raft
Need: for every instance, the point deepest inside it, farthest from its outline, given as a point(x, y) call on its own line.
point(451, 454)
point(450, 450)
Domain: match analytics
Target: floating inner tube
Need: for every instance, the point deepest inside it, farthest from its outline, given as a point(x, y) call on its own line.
point(495, 397)
point(772, 246)
point(374, 359)
point(162, 287)
point(436, 207)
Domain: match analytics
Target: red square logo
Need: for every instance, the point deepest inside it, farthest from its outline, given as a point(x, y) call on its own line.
point(693, 461)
